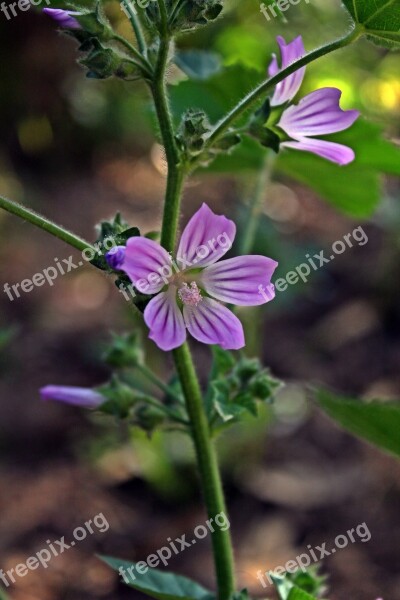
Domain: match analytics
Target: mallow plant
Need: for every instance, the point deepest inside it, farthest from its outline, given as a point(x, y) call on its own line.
point(184, 285)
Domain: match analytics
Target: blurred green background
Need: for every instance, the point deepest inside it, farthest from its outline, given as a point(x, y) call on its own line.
point(78, 150)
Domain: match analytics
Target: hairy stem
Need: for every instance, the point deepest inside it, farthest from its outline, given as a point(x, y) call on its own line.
point(140, 61)
point(264, 87)
point(136, 26)
point(205, 452)
point(60, 232)
point(209, 471)
point(175, 176)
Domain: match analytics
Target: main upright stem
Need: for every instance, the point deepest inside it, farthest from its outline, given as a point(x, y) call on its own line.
point(205, 452)
point(209, 471)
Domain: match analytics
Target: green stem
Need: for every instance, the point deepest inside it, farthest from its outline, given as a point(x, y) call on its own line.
point(270, 83)
point(164, 17)
point(256, 204)
point(175, 177)
point(209, 471)
point(141, 62)
point(156, 381)
point(137, 28)
point(205, 451)
point(171, 413)
point(36, 219)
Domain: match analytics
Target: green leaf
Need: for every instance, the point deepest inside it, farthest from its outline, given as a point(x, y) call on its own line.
point(298, 594)
point(162, 585)
point(223, 361)
point(230, 409)
point(310, 580)
point(198, 64)
point(216, 95)
point(287, 590)
point(379, 18)
point(377, 422)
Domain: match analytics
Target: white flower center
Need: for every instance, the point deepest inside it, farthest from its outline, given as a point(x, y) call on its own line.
point(190, 295)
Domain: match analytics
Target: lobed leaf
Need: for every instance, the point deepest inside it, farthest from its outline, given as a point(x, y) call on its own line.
point(379, 18)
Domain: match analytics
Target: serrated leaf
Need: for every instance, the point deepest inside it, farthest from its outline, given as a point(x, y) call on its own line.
point(379, 18)
point(377, 422)
point(198, 64)
point(162, 585)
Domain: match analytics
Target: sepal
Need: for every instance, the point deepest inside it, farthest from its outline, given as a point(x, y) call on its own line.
point(103, 62)
point(236, 387)
point(124, 351)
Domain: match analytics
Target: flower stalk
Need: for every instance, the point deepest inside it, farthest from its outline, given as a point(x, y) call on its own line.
point(266, 86)
point(56, 230)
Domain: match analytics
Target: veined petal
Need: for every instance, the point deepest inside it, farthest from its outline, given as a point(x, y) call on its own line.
point(77, 396)
point(318, 113)
point(337, 153)
point(244, 280)
point(165, 321)
point(147, 264)
point(288, 88)
point(212, 323)
point(205, 239)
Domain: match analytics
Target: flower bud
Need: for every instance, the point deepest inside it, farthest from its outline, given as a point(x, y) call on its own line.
point(65, 18)
point(76, 396)
point(104, 62)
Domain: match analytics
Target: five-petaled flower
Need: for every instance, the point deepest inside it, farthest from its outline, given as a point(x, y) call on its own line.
point(190, 298)
point(318, 113)
point(65, 18)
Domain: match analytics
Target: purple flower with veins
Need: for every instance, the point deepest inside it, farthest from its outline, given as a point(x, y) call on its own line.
point(189, 295)
point(77, 396)
point(318, 113)
point(65, 18)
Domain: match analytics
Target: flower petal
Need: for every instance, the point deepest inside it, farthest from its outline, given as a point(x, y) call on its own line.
point(147, 264)
point(337, 153)
point(165, 321)
point(212, 323)
point(317, 113)
point(288, 88)
point(244, 280)
point(273, 68)
point(205, 239)
point(77, 396)
point(65, 18)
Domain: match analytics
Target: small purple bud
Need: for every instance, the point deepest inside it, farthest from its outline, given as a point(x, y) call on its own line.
point(115, 257)
point(83, 397)
point(65, 18)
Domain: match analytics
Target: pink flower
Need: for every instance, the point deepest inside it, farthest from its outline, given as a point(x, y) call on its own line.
point(318, 113)
point(189, 294)
point(65, 18)
point(84, 397)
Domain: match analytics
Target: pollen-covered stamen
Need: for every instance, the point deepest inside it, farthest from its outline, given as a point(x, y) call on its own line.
point(190, 295)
